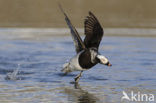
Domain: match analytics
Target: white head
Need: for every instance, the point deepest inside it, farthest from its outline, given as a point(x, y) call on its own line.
point(103, 60)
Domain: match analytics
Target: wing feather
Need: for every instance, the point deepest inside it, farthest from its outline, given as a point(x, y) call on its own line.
point(93, 31)
point(79, 45)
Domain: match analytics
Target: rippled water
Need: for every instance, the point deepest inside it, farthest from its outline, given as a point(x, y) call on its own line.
point(39, 78)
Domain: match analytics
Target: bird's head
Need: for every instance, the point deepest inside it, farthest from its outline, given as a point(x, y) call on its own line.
point(103, 60)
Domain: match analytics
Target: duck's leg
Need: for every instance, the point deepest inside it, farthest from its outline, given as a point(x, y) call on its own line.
point(77, 78)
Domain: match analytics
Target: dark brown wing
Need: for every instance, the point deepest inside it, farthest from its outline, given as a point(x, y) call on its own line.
point(79, 45)
point(93, 31)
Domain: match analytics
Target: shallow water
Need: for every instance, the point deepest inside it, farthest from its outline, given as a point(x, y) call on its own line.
point(39, 78)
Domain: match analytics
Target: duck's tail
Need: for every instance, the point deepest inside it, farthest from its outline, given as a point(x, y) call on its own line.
point(66, 68)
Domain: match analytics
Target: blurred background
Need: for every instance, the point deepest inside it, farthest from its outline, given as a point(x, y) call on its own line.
point(45, 13)
point(111, 13)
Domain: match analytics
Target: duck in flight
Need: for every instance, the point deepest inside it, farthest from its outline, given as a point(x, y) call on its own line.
point(87, 51)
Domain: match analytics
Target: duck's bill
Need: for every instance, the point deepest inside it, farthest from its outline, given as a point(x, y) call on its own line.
point(109, 65)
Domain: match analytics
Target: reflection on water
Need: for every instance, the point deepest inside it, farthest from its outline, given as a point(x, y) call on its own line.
point(79, 95)
point(42, 56)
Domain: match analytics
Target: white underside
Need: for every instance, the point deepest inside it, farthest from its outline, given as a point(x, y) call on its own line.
point(73, 65)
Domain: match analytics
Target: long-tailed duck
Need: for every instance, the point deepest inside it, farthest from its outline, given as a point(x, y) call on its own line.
point(87, 50)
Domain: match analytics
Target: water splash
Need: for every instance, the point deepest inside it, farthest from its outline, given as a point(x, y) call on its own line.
point(13, 75)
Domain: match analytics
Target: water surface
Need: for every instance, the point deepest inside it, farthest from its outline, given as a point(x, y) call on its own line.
point(39, 78)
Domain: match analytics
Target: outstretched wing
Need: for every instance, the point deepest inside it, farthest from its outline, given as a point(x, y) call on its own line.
point(79, 45)
point(93, 31)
